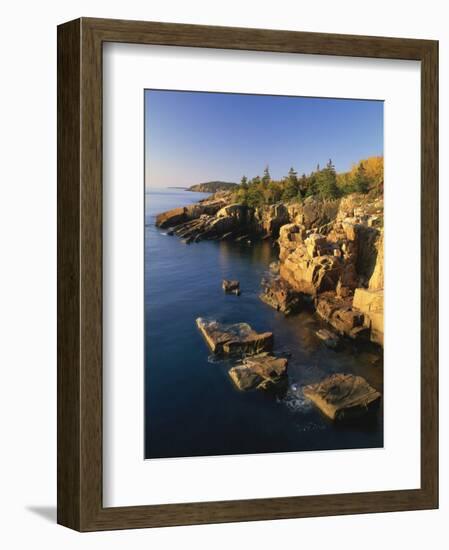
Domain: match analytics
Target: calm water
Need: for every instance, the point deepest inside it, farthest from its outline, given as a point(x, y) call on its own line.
point(192, 407)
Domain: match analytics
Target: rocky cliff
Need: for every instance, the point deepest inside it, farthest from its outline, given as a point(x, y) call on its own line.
point(330, 253)
point(335, 257)
point(218, 217)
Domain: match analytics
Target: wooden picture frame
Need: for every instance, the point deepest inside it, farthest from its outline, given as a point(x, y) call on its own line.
point(80, 504)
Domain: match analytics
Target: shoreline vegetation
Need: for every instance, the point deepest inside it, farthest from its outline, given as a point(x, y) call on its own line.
point(328, 227)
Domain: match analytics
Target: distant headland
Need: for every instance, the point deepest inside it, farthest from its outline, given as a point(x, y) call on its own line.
point(212, 186)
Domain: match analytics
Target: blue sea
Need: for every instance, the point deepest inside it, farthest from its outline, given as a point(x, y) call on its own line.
point(191, 405)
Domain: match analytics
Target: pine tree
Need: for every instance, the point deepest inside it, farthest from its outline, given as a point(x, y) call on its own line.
point(303, 185)
point(312, 188)
point(326, 182)
point(360, 183)
point(291, 188)
point(254, 196)
point(244, 182)
point(292, 175)
point(266, 178)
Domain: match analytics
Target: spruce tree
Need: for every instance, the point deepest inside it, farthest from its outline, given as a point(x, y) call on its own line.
point(292, 175)
point(303, 185)
point(360, 183)
point(326, 182)
point(312, 184)
point(266, 178)
point(254, 196)
point(291, 188)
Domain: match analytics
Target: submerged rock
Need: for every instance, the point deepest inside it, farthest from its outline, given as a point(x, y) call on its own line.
point(263, 372)
point(343, 396)
point(361, 334)
point(238, 338)
point(231, 286)
point(330, 339)
point(274, 267)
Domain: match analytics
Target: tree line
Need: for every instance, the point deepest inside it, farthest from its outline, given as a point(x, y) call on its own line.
point(365, 177)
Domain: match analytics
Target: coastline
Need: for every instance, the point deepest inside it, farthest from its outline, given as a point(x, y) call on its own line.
point(331, 253)
point(329, 265)
point(184, 378)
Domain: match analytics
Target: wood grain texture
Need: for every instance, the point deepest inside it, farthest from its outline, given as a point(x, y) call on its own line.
point(69, 408)
point(429, 271)
point(80, 274)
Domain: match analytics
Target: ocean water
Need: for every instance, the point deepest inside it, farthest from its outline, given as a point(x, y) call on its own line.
point(191, 405)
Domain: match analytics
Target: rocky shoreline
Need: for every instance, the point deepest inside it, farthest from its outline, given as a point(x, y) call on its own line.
point(330, 261)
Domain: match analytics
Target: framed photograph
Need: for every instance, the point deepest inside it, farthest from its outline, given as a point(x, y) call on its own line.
point(247, 274)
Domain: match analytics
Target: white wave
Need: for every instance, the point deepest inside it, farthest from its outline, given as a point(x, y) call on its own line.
point(295, 400)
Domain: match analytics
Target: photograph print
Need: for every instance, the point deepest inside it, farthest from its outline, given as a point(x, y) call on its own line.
point(264, 286)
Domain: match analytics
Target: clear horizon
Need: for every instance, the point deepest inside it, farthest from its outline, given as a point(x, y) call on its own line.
point(194, 137)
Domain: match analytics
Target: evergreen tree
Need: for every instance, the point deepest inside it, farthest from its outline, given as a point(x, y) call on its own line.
point(254, 196)
point(312, 182)
point(360, 182)
point(273, 193)
point(326, 182)
point(241, 195)
point(303, 182)
point(266, 175)
point(323, 183)
point(291, 188)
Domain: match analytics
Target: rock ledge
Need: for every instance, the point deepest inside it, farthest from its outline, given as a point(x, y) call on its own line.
point(343, 396)
point(263, 372)
point(238, 338)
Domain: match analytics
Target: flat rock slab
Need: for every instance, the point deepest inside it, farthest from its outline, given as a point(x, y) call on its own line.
point(245, 379)
point(171, 217)
point(238, 338)
point(343, 396)
point(262, 372)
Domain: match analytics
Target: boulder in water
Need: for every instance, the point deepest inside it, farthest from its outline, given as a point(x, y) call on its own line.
point(343, 396)
point(231, 286)
point(238, 338)
point(263, 372)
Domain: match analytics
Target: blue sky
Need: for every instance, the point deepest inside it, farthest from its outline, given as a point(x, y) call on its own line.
point(192, 137)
